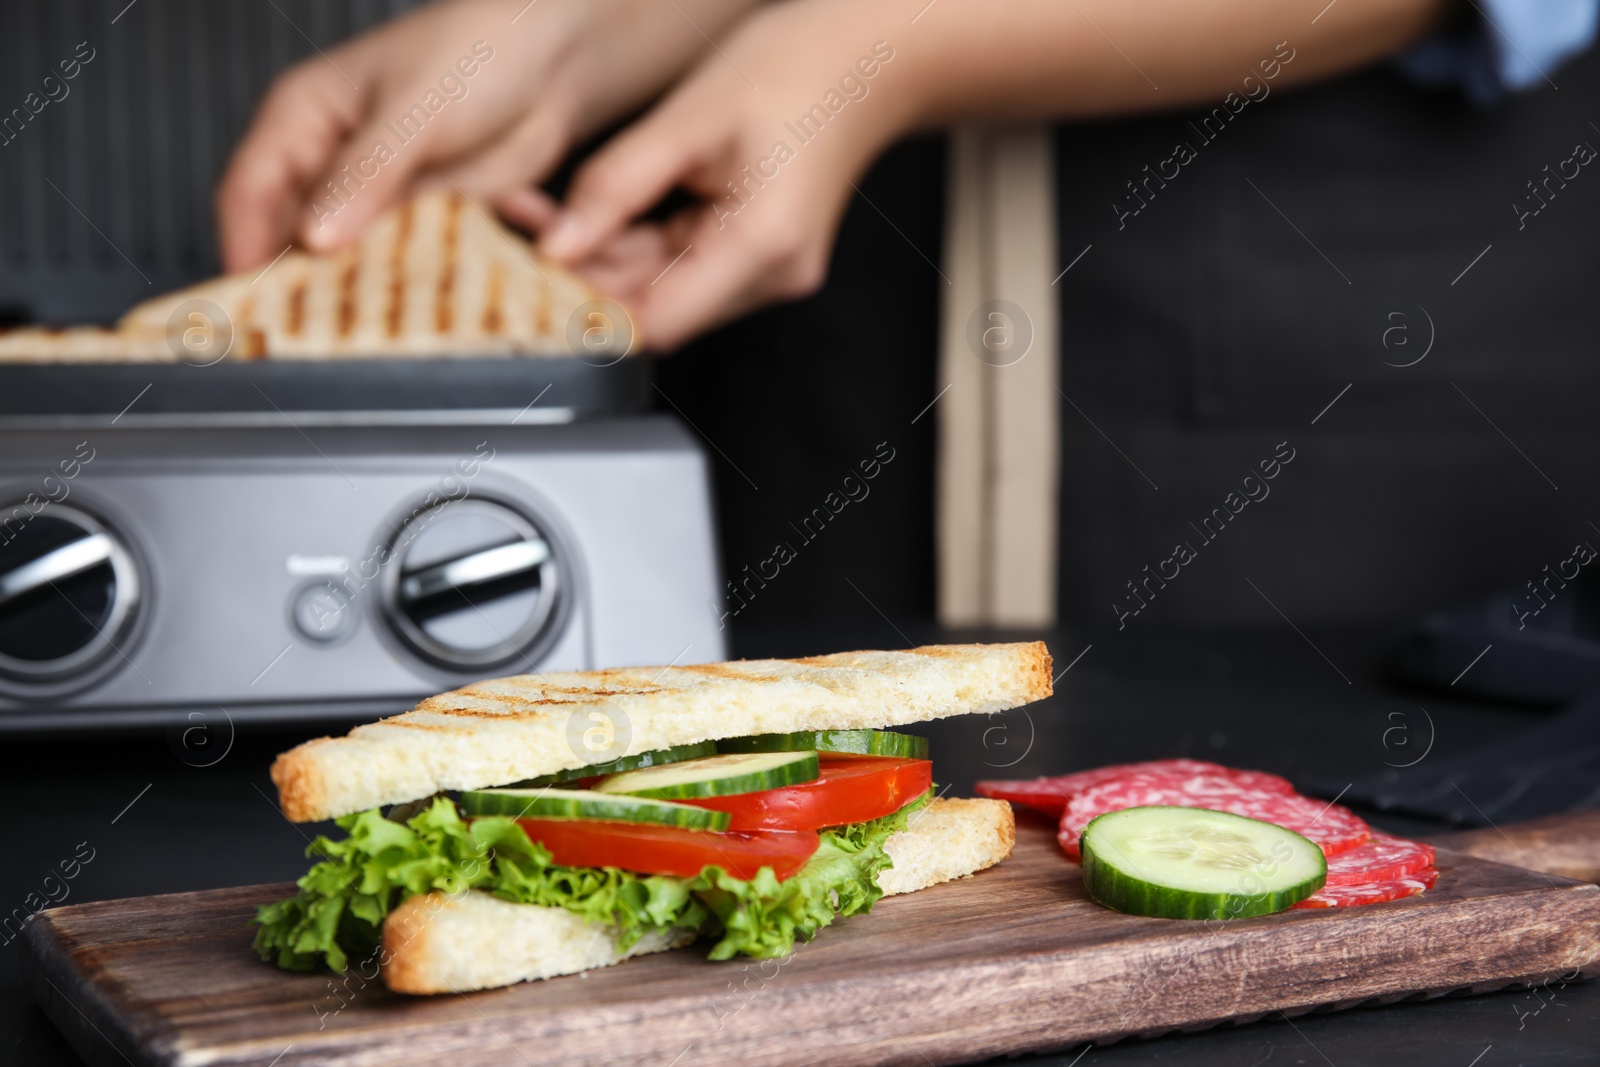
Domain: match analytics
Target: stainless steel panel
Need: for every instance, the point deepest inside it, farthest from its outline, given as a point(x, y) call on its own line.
point(233, 525)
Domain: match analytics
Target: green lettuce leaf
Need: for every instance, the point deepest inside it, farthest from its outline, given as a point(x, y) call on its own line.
point(344, 899)
point(762, 917)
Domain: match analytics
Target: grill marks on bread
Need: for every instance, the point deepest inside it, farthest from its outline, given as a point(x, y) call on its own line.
point(394, 314)
point(296, 323)
point(444, 299)
point(507, 706)
point(435, 276)
point(248, 339)
point(494, 317)
point(347, 296)
point(508, 729)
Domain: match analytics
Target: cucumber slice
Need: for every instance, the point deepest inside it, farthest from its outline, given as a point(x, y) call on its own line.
point(1194, 863)
point(585, 804)
point(862, 742)
point(715, 776)
point(660, 756)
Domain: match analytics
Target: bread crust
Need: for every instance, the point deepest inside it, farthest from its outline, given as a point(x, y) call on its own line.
point(509, 729)
point(408, 943)
point(299, 786)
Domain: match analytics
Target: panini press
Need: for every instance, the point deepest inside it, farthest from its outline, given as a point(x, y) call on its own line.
point(185, 545)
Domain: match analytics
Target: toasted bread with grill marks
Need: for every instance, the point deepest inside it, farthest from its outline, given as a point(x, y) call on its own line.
point(509, 729)
point(436, 276)
point(453, 944)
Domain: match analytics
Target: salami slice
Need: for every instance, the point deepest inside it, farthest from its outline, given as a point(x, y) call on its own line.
point(1382, 859)
point(1333, 828)
point(1050, 795)
point(1351, 896)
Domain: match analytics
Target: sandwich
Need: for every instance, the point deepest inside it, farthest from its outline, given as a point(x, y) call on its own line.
point(548, 824)
point(438, 275)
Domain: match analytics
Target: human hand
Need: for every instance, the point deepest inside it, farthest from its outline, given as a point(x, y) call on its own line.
point(828, 101)
point(486, 94)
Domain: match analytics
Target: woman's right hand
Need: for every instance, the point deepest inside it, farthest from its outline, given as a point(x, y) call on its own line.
point(544, 74)
point(765, 197)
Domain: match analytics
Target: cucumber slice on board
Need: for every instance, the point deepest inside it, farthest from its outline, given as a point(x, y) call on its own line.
point(1194, 863)
point(586, 804)
point(715, 776)
point(660, 756)
point(859, 742)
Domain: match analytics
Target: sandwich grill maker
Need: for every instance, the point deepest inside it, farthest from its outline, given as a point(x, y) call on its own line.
point(193, 547)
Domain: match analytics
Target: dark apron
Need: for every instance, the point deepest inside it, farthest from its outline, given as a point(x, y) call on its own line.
point(1362, 234)
point(1317, 239)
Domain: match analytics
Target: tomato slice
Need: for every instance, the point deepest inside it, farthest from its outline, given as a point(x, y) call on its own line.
point(669, 849)
point(851, 788)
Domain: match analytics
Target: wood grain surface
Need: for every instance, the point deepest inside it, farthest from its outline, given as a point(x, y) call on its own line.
point(1015, 959)
point(1568, 844)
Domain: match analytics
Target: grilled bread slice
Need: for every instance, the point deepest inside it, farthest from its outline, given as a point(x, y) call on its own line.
point(82, 344)
point(949, 839)
point(438, 943)
point(452, 944)
point(436, 276)
point(510, 729)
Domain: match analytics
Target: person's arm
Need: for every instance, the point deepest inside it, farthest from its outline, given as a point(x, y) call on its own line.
point(1078, 59)
point(767, 235)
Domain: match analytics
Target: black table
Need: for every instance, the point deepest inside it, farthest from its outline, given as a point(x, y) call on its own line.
point(158, 824)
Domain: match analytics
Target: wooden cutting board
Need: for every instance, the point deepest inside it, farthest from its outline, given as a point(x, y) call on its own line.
point(1016, 959)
